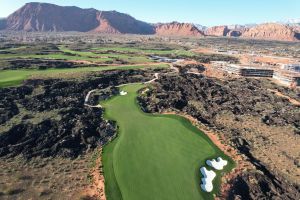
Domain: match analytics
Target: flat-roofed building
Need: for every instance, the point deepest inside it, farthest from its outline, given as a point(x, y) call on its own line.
point(291, 67)
point(290, 79)
point(248, 71)
point(254, 72)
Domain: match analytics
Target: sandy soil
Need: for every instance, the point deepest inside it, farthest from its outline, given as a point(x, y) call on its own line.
point(44, 178)
point(267, 145)
point(273, 59)
point(97, 188)
point(293, 101)
point(214, 73)
point(248, 58)
point(205, 50)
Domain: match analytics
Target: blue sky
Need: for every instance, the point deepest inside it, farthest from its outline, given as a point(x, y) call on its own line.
point(205, 12)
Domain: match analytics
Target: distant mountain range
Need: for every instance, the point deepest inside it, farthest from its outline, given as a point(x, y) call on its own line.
point(46, 17)
point(291, 21)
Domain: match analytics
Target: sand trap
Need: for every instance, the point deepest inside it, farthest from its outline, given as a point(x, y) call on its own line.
point(123, 93)
point(209, 176)
point(218, 164)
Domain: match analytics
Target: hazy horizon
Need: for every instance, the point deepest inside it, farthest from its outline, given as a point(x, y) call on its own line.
point(201, 12)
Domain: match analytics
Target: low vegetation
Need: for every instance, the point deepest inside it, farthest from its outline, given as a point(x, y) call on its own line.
point(16, 77)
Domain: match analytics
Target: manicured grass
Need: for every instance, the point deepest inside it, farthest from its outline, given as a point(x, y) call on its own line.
point(80, 55)
point(99, 55)
point(15, 77)
point(91, 55)
point(145, 51)
point(154, 156)
point(55, 56)
point(14, 48)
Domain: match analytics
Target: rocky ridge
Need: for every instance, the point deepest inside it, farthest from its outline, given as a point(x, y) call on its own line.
point(44, 17)
point(217, 31)
point(50, 17)
point(272, 31)
point(177, 29)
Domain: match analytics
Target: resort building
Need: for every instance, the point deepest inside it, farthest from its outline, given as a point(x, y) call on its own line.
point(287, 78)
point(291, 67)
point(248, 71)
point(287, 74)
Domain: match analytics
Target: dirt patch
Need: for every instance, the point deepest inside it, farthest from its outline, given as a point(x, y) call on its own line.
point(44, 178)
point(291, 100)
point(97, 188)
point(205, 50)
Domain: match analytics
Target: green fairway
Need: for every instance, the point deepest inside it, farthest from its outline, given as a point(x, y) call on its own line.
point(58, 56)
point(145, 51)
point(91, 56)
point(154, 156)
point(15, 77)
point(67, 54)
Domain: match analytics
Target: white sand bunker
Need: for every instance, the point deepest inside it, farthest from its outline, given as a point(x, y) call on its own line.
point(209, 176)
point(218, 164)
point(123, 93)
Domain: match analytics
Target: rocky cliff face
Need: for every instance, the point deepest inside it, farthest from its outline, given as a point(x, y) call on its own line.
point(49, 17)
point(178, 29)
point(2, 24)
point(121, 23)
point(217, 31)
point(234, 33)
point(296, 28)
point(272, 31)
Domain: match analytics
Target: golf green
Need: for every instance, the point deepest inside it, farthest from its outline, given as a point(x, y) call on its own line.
point(154, 156)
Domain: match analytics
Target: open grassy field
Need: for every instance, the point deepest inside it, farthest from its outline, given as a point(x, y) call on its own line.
point(154, 156)
point(53, 56)
point(93, 56)
point(145, 51)
point(15, 77)
point(67, 54)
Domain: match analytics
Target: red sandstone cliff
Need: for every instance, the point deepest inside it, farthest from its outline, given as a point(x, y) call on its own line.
point(178, 29)
point(49, 17)
point(296, 28)
point(217, 31)
point(272, 31)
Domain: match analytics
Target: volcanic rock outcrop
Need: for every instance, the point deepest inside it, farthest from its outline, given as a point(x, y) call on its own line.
point(177, 29)
point(50, 118)
point(272, 31)
point(249, 118)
